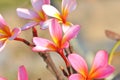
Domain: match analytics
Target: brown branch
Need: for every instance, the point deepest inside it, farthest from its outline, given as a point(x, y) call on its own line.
point(34, 31)
point(50, 63)
point(24, 41)
point(47, 58)
point(71, 48)
point(64, 72)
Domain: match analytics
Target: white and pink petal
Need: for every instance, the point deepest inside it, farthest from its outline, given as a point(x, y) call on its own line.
point(55, 31)
point(2, 44)
point(78, 63)
point(65, 27)
point(51, 11)
point(26, 14)
point(1, 78)
point(71, 33)
point(15, 33)
point(42, 44)
point(45, 24)
point(37, 4)
point(76, 77)
point(29, 25)
point(2, 21)
point(101, 60)
point(68, 5)
point(22, 73)
point(103, 72)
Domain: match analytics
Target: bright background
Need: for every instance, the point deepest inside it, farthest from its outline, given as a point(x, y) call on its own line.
point(94, 16)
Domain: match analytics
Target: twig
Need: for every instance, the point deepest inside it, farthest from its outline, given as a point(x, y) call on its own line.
point(50, 63)
point(47, 58)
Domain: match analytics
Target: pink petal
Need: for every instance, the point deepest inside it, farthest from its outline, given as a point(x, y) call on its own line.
point(46, 1)
point(103, 72)
point(22, 73)
point(45, 24)
point(65, 45)
point(71, 33)
point(2, 21)
point(101, 60)
point(51, 11)
point(37, 4)
point(5, 30)
point(42, 44)
point(55, 31)
point(79, 64)
point(1, 78)
point(65, 27)
point(16, 32)
point(3, 26)
point(76, 77)
point(68, 5)
point(2, 44)
point(29, 25)
point(26, 14)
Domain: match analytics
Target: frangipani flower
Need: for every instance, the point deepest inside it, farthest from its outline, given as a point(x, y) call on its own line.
point(67, 7)
point(37, 16)
point(6, 33)
point(22, 74)
point(100, 67)
point(60, 41)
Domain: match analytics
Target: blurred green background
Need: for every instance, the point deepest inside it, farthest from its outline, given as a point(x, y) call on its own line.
point(94, 17)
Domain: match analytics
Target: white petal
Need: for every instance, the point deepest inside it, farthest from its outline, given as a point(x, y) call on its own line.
point(51, 11)
point(26, 14)
point(29, 25)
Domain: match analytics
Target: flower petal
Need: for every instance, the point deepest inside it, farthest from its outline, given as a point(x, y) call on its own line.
point(55, 31)
point(76, 77)
point(42, 45)
point(65, 27)
point(65, 45)
point(37, 4)
point(4, 29)
point(26, 14)
point(71, 33)
point(2, 44)
point(16, 32)
point(79, 64)
point(29, 25)
point(1, 78)
point(2, 21)
point(51, 11)
point(103, 72)
point(68, 5)
point(22, 73)
point(101, 60)
point(45, 24)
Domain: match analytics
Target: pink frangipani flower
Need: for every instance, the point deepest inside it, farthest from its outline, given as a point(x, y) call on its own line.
point(100, 67)
point(67, 7)
point(6, 33)
point(22, 74)
point(37, 16)
point(60, 41)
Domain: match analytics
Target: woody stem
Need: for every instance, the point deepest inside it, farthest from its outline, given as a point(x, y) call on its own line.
point(47, 58)
point(65, 59)
point(24, 41)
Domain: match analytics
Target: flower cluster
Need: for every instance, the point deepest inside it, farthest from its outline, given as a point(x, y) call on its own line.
point(61, 31)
